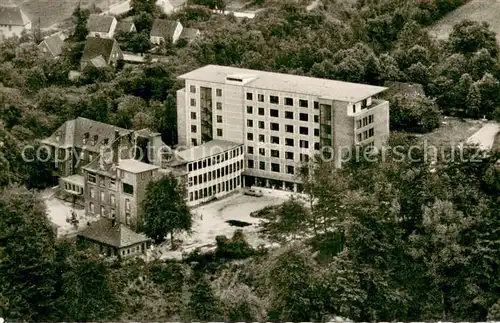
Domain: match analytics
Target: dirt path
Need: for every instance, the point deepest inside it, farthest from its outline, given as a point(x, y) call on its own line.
point(485, 137)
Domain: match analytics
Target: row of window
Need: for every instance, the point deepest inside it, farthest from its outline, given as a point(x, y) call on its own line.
point(275, 113)
point(276, 153)
point(102, 212)
point(207, 162)
point(112, 198)
point(365, 121)
point(226, 186)
point(273, 126)
point(215, 174)
point(274, 99)
point(276, 140)
point(364, 105)
point(366, 134)
point(135, 249)
point(192, 89)
point(92, 178)
point(73, 187)
point(274, 167)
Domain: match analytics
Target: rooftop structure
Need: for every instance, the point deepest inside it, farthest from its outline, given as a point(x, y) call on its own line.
point(210, 148)
point(135, 166)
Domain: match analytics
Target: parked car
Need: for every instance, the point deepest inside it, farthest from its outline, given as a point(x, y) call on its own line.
point(253, 192)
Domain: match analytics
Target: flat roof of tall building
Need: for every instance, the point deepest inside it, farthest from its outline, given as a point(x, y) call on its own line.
point(207, 149)
point(135, 166)
point(323, 88)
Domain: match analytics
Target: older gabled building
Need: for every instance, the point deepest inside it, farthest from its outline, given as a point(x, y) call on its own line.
point(101, 26)
point(13, 21)
point(100, 52)
point(125, 27)
point(52, 45)
point(170, 6)
point(165, 31)
point(189, 34)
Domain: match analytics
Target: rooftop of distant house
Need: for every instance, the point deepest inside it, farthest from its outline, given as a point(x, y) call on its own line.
point(99, 23)
point(96, 46)
point(113, 234)
point(322, 88)
point(163, 28)
point(207, 149)
point(12, 15)
point(124, 26)
point(189, 33)
point(54, 43)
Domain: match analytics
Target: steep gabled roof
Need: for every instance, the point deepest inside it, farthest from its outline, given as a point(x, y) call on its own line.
point(164, 28)
point(124, 26)
point(72, 134)
point(118, 236)
point(95, 46)
point(189, 33)
point(99, 23)
point(54, 44)
point(12, 16)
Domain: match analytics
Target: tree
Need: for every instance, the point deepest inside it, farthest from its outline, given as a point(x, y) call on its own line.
point(473, 101)
point(27, 275)
point(139, 42)
point(468, 37)
point(81, 31)
point(143, 22)
point(142, 120)
point(142, 6)
point(414, 112)
point(164, 209)
point(202, 303)
point(288, 220)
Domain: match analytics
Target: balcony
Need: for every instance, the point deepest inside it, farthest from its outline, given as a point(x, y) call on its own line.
point(373, 105)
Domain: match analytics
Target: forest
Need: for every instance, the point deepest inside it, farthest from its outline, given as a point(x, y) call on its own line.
point(384, 241)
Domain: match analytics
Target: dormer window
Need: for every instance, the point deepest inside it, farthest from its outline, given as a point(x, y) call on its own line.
point(106, 141)
point(86, 137)
point(94, 141)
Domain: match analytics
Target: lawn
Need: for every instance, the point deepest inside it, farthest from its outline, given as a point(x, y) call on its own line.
point(477, 10)
point(452, 132)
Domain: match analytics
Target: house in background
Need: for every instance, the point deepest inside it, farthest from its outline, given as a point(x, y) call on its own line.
point(189, 34)
point(53, 45)
point(100, 52)
point(112, 238)
point(13, 21)
point(170, 6)
point(165, 30)
point(101, 26)
point(125, 27)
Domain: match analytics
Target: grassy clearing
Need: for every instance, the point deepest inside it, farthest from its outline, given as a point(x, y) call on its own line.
point(452, 132)
point(477, 10)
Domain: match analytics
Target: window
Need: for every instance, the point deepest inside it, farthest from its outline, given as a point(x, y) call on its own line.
point(262, 165)
point(249, 123)
point(275, 167)
point(290, 170)
point(249, 136)
point(92, 192)
point(193, 102)
point(86, 137)
point(274, 113)
point(364, 103)
point(316, 146)
point(127, 222)
point(316, 105)
point(316, 118)
point(91, 207)
point(289, 128)
point(304, 144)
point(288, 115)
point(194, 142)
point(112, 184)
point(303, 103)
point(249, 96)
point(304, 130)
point(219, 105)
point(250, 150)
point(102, 196)
point(365, 121)
point(316, 132)
point(261, 111)
point(262, 151)
point(274, 99)
point(275, 140)
point(193, 128)
point(219, 132)
point(275, 126)
point(219, 119)
point(275, 153)
point(289, 155)
point(113, 213)
point(304, 158)
point(289, 142)
point(250, 163)
point(261, 125)
point(102, 210)
point(304, 117)
point(353, 108)
point(128, 189)
point(249, 109)
point(192, 89)
point(289, 101)
point(92, 178)
point(260, 97)
point(371, 118)
point(358, 124)
point(262, 138)
point(218, 92)
point(371, 132)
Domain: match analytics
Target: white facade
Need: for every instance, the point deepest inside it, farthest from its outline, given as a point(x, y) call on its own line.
point(157, 40)
point(280, 129)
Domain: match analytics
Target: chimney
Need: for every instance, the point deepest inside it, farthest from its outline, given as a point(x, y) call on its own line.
point(115, 146)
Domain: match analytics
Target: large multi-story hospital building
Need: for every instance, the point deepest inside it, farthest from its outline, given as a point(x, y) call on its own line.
point(280, 119)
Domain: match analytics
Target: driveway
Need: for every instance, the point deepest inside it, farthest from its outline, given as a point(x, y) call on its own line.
point(485, 137)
